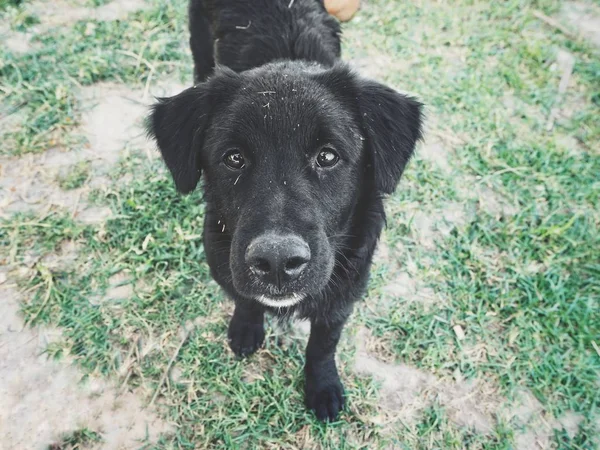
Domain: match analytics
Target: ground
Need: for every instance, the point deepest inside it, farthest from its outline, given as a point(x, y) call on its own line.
point(480, 328)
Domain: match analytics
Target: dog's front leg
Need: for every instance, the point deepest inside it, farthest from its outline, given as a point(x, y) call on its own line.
point(323, 390)
point(246, 329)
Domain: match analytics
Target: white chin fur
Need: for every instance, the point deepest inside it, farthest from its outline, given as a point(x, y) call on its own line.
point(281, 302)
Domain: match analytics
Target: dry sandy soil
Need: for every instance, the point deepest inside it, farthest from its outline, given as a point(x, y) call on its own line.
point(42, 399)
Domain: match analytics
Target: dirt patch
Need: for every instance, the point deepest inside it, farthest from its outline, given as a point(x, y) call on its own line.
point(20, 43)
point(121, 287)
point(429, 226)
point(401, 386)
point(94, 215)
point(112, 120)
point(401, 285)
point(112, 124)
point(434, 151)
point(494, 203)
point(541, 432)
point(64, 258)
point(44, 399)
point(58, 13)
point(476, 404)
point(538, 427)
point(378, 66)
point(585, 18)
point(570, 145)
point(406, 289)
point(406, 391)
point(519, 111)
point(439, 143)
point(488, 198)
point(27, 184)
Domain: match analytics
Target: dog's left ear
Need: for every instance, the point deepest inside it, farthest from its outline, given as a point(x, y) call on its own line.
point(392, 123)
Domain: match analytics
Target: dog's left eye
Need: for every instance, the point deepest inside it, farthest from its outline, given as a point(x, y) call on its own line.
point(234, 160)
point(327, 157)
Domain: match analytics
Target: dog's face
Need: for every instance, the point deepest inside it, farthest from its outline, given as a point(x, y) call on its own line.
point(287, 151)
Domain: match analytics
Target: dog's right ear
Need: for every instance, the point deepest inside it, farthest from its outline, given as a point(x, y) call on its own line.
point(179, 125)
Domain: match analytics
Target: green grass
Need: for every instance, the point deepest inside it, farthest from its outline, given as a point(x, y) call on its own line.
point(75, 177)
point(14, 14)
point(525, 287)
point(5, 4)
point(79, 439)
point(42, 84)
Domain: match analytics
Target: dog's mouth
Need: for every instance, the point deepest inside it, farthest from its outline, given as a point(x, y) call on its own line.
point(278, 269)
point(280, 301)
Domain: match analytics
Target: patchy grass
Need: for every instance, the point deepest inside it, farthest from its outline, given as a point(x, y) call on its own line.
point(6, 3)
point(42, 84)
point(501, 238)
point(75, 177)
point(80, 439)
point(15, 15)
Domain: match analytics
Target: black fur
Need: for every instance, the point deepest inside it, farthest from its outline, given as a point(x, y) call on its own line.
point(243, 35)
point(278, 97)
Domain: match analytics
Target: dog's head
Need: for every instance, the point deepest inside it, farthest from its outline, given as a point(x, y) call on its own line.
point(287, 151)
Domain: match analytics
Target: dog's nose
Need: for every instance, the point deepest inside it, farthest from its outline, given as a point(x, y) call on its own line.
point(276, 258)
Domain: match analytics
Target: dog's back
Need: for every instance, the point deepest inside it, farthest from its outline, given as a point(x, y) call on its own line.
point(244, 34)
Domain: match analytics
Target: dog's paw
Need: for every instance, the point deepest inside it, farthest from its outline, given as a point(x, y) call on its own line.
point(245, 338)
point(326, 401)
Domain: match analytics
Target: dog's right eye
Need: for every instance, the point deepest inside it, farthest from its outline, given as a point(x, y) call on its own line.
point(327, 157)
point(234, 160)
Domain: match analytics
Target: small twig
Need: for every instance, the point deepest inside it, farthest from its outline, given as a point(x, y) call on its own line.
point(74, 212)
point(129, 371)
point(596, 347)
point(138, 59)
point(141, 56)
point(129, 362)
point(553, 23)
point(166, 373)
point(32, 288)
point(291, 4)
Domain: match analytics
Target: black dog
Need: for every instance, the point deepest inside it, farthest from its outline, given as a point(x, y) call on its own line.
point(297, 153)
